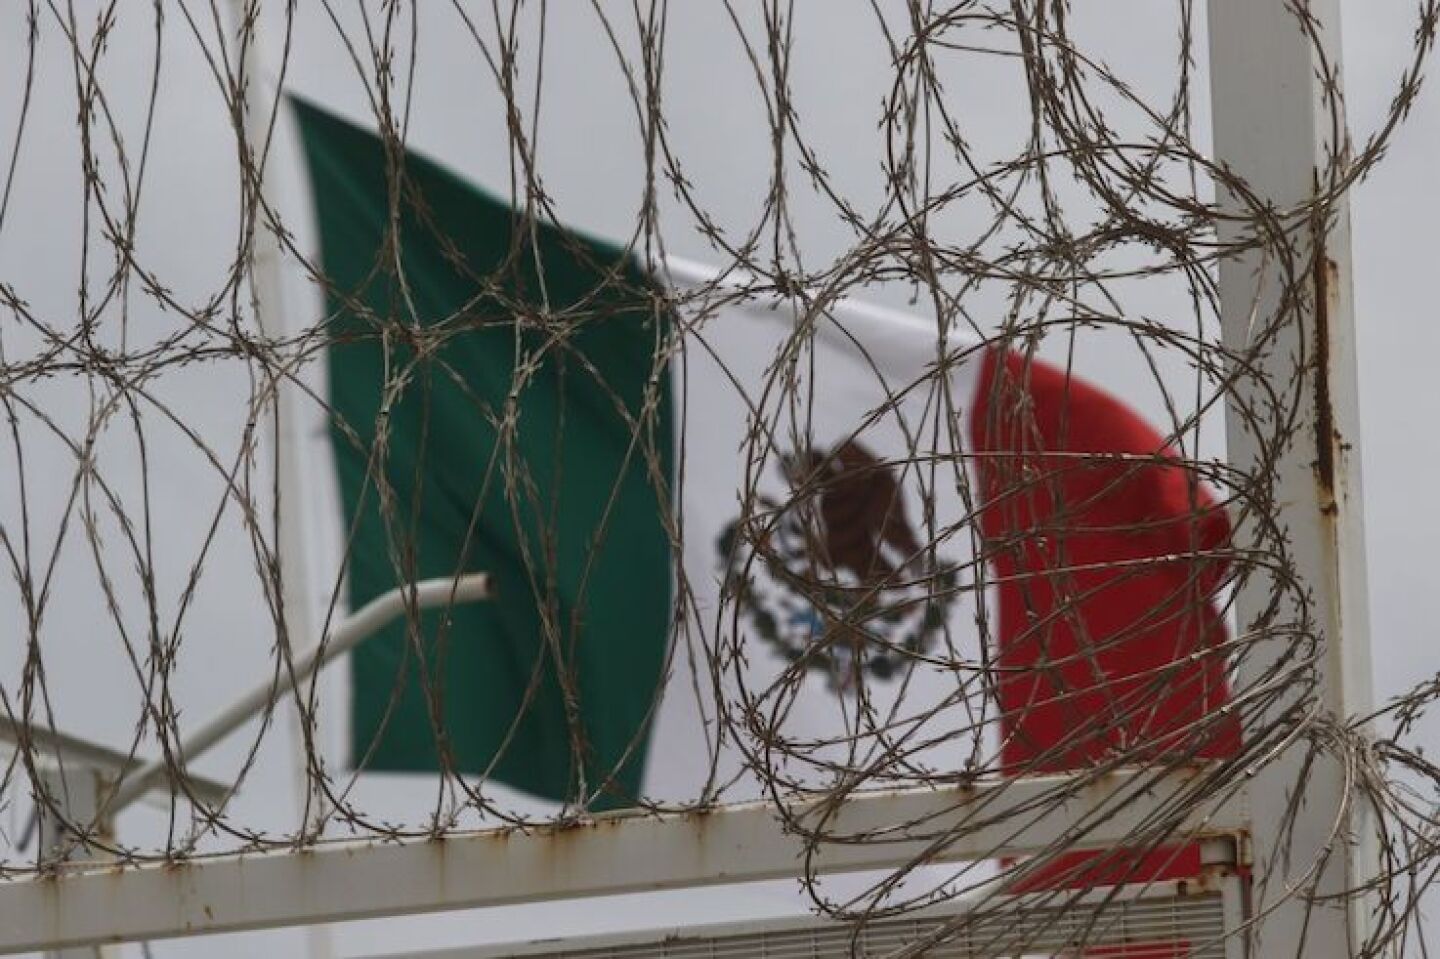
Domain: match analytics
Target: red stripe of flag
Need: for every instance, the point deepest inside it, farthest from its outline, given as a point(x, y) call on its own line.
point(1098, 540)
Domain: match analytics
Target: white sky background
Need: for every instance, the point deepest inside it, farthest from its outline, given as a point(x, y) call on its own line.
point(590, 156)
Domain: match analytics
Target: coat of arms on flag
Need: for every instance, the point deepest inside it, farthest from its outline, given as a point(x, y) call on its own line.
point(834, 576)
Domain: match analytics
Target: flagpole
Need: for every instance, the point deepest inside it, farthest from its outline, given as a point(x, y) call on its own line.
point(268, 305)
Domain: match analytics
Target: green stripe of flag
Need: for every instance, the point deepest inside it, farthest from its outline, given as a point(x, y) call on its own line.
point(564, 507)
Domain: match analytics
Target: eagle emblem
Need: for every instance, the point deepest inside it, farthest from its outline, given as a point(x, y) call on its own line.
point(835, 576)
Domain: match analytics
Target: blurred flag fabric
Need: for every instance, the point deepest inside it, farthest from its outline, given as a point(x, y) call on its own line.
point(658, 484)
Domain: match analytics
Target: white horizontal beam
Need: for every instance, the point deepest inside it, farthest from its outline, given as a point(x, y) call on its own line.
point(612, 854)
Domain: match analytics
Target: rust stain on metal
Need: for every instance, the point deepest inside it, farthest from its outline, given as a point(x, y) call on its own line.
point(1207, 882)
point(1326, 280)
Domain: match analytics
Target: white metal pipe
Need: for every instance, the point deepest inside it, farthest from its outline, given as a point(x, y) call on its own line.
point(626, 852)
point(114, 764)
point(356, 628)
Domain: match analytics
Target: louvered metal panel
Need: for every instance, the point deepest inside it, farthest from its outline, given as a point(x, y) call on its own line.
point(1172, 920)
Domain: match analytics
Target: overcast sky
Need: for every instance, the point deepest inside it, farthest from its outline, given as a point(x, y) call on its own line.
point(590, 157)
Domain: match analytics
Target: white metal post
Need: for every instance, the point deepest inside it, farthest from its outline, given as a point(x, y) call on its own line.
point(1273, 126)
point(73, 791)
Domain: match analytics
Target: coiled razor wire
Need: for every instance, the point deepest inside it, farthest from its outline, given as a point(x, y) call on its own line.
point(1107, 198)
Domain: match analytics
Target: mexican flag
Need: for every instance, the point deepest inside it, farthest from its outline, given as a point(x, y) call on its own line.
point(861, 544)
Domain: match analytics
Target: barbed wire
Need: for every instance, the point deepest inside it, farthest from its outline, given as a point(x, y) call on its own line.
point(912, 579)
